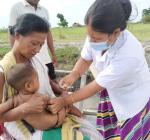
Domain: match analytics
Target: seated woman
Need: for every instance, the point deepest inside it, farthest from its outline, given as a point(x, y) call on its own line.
point(29, 37)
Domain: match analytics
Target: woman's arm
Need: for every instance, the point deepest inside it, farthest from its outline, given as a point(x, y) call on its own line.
point(36, 104)
point(79, 69)
point(2, 81)
point(82, 66)
point(83, 93)
point(7, 113)
point(4, 107)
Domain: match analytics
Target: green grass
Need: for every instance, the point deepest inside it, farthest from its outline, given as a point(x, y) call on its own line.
point(3, 37)
point(67, 56)
point(59, 35)
point(3, 51)
point(140, 30)
point(68, 34)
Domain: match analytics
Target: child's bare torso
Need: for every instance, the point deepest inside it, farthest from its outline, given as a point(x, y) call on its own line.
point(40, 121)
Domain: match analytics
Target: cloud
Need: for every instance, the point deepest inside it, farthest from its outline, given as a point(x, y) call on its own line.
point(73, 10)
point(56, 5)
point(5, 6)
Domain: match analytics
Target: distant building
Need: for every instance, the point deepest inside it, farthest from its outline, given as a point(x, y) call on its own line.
point(77, 25)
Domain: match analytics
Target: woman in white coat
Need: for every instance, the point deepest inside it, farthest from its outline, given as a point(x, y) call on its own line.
point(123, 79)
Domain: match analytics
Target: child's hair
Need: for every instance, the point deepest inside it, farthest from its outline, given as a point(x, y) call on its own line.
point(19, 74)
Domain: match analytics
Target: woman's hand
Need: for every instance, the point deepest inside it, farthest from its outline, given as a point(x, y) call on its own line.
point(56, 104)
point(69, 79)
point(37, 103)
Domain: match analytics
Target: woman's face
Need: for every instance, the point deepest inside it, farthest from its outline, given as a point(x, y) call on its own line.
point(96, 36)
point(31, 44)
point(101, 37)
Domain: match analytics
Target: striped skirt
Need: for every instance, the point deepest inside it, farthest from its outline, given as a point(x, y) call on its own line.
point(136, 128)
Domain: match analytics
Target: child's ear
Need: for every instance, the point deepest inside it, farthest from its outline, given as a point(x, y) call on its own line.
point(27, 86)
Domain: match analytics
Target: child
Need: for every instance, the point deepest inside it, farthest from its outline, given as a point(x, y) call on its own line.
point(24, 79)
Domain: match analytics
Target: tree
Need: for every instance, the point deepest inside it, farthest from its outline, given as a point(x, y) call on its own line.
point(63, 22)
point(146, 16)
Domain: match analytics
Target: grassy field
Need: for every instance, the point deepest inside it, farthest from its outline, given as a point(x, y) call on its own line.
point(3, 37)
point(141, 31)
point(3, 51)
point(69, 34)
point(67, 56)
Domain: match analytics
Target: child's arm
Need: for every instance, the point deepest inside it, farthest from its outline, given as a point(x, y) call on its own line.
point(75, 111)
point(56, 88)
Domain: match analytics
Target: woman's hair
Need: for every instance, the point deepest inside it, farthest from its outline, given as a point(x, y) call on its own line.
point(19, 74)
point(28, 23)
point(107, 15)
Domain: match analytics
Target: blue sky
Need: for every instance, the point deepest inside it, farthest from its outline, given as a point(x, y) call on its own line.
point(73, 10)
